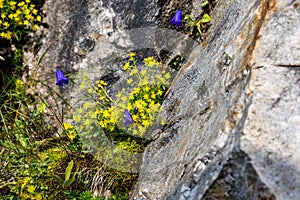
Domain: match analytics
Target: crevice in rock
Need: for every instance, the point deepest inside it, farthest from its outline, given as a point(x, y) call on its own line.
point(238, 180)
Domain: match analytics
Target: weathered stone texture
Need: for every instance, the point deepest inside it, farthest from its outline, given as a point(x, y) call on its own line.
point(272, 131)
point(238, 180)
point(208, 101)
point(206, 108)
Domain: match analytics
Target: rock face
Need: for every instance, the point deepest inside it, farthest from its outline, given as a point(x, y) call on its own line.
point(208, 102)
point(271, 135)
point(206, 108)
point(238, 180)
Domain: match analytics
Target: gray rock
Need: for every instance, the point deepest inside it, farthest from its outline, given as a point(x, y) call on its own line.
point(238, 180)
point(208, 101)
point(271, 133)
point(207, 107)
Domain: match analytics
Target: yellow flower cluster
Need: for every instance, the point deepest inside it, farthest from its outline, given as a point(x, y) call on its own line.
point(147, 92)
point(31, 189)
point(25, 181)
point(142, 97)
point(70, 131)
point(106, 119)
point(16, 17)
point(150, 61)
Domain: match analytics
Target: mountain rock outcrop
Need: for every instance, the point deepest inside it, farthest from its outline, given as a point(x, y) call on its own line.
point(239, 89)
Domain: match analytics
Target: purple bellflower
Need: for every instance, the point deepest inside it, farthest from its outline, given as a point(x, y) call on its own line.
point(61, 78)
point(177, 19)
point(127, 118)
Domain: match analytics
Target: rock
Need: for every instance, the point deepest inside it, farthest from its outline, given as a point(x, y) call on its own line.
point(271, 133)
point(238, 180)
point(206, 108)
point(208, 101)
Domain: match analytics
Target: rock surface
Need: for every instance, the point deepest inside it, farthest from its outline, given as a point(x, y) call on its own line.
point(238, 180)
point(272, 131)
point(208, 102)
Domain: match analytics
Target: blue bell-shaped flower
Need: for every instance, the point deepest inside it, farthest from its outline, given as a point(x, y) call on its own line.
point(177, 19)
point(127, 118)
point(61, 78)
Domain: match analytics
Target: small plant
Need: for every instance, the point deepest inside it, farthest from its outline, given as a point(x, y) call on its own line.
point(17, 18)
point(135, 107)
point(68, 179)
point(197, 23)
point(205, 3)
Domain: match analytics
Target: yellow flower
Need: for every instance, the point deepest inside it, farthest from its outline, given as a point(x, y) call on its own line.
point(126, 66)
point(77, 118)
point(27, 1)
point(150, 61)
point(112, 128)
point(153, 95)
point(35, 27)
point(71, 135)
point(147, 88)
point(106, 114)
point(87, 122)
point(38, 197)
point(12, 4)
point(25, 181)
point(124, 98)
point(136, 90)
point(34, 11)
point(87, 105)
point(38, 18)
point(131, 56)
point(26, 22)
point(19, 12)
point(143, 72)
point(133, 72)
point(159, 92)
point(129, 81)
point(81, 86)
point(6, 24)
point(42, 107)
point(30, 188)
point(146, 123)
point(26, 11)
point(29, 17)
point(131, 97)
point(80, 110)
point(102, 83)
point(21, 4)
point(67, 126)
point(146, 96)
point(167, 76)
point(3, 15)
point(90, 91)
point(9, 35)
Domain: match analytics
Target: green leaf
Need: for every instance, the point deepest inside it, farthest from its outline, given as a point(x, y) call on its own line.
point(58, 179)
point(204, 3)
point(206, 18)
point(189, 19)
point(69, 182)
point(68, 170)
